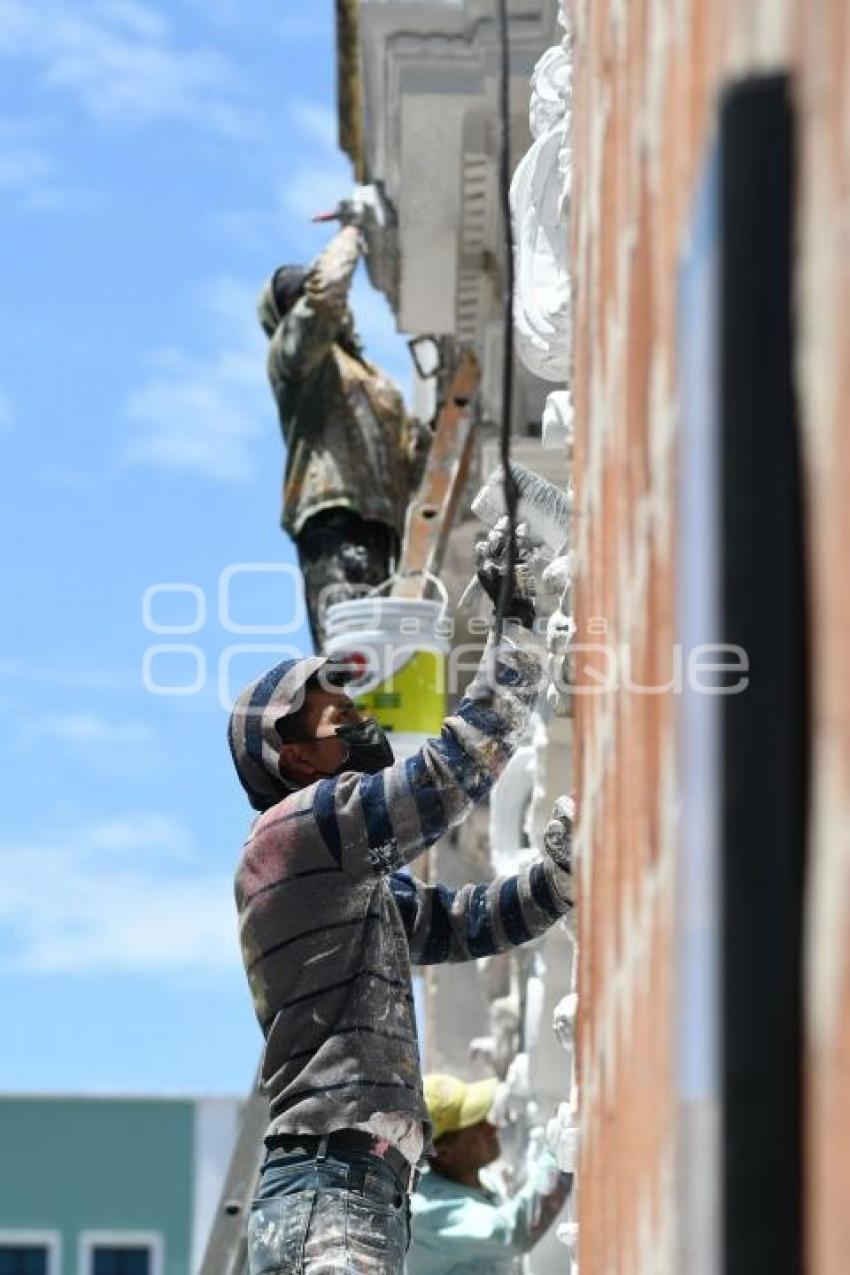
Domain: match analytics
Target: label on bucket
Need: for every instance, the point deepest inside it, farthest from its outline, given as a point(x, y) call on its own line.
point(411, 698)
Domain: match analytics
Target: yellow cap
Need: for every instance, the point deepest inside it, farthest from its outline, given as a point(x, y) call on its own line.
point(457, 1104)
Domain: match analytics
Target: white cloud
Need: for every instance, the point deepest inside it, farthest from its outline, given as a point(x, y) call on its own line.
point(17, 671)
point(309, 189)
point(317, 179)
point(139, 832)
point(30, 176)
point(85, 728)
point(24, 168)
point(318, 184)
point(285, 21)
point(316, 121)
point(115, 750)
point(121, 61)
point(312, 189)
point(205, 413)
point(196, 414)
point(127, 894)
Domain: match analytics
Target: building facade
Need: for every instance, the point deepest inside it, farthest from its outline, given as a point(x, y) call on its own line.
point(711, 406)
point(681, 212)
point(110, 1186)
point(419, 116)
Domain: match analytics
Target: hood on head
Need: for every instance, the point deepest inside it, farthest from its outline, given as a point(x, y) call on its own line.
point(278, 295)
point(252, 730)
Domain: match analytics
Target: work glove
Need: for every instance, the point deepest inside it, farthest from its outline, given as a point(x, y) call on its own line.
point(365, 208)
point(558, 846)
point(353, 212)
point(491, 564)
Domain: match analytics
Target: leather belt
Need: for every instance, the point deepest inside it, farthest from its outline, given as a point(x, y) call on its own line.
point(346, 1140)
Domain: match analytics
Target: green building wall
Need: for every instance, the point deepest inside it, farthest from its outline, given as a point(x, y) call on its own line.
point(83, 1164)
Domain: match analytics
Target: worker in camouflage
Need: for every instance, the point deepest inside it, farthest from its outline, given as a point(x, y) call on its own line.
point(353, 455)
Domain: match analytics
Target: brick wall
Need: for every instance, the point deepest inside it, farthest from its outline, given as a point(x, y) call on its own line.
point(823, 46)
point(646, 76)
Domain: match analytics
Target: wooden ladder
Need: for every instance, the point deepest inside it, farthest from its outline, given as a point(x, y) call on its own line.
point(432, 512)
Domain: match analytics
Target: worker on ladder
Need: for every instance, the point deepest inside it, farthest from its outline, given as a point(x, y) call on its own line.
point(330, 923)
point(353, 454)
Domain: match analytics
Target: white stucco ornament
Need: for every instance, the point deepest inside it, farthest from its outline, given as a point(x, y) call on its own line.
point(510, 805)
point(550, 89)
point(500, 1047)
point(513, 1102)
point(568, 1234)
point(562, 1137)
point(558, 574)
point(560, 631)
point(539, 197)
point(557, 422)
point(566, 1012)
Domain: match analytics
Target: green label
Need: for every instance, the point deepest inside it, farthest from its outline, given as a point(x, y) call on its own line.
point(413, 698)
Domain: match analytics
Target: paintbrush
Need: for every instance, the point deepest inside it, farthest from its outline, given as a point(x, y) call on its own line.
point(542, 508)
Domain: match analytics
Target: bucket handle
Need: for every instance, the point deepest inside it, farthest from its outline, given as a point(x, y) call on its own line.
point(417, 571)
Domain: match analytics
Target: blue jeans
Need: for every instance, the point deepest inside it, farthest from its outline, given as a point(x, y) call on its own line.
point(346, 1214)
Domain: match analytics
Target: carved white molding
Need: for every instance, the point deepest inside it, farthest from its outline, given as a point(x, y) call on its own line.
point(562, 1137)
point(500, 1047)
point(568, 1234)
point(566, 1013)
point(560, 631)
point(429, 95)
point(557, 422)
point(510, 803)
point(558, 574)
point(540, 193)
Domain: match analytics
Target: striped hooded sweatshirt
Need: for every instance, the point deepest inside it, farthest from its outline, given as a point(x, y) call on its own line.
point(329, 923)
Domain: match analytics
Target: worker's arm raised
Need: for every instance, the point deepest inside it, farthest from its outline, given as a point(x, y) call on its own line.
point(456, 1233)
point(305, 335)
point(374, 824)
point(480, 920)
point(527, 1216)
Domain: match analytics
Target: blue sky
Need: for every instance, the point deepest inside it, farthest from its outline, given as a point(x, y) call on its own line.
point(157, 160)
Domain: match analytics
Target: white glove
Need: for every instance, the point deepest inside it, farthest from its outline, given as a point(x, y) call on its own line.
point(558, 845)
point(365, 208)
point(558, 834)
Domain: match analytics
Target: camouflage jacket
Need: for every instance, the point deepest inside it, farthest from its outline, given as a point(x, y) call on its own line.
point(349, 441)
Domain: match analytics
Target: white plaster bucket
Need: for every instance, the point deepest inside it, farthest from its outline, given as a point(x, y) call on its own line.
point(399, 654)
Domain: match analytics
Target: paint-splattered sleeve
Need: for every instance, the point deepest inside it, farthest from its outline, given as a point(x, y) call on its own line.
point(479, 920)
point(375, 824)
point(307, 332)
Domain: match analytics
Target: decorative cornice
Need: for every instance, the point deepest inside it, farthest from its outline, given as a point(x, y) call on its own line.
point(349, 84)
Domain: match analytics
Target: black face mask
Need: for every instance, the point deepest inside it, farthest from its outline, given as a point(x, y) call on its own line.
point(369, 750)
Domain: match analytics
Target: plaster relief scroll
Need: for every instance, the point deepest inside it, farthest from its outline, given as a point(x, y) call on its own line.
point(539, 199)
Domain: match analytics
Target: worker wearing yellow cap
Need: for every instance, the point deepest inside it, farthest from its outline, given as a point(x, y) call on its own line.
point(459, 1226)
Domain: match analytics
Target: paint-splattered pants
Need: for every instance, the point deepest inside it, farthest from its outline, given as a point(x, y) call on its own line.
point(347, 1215)
point(342, 556)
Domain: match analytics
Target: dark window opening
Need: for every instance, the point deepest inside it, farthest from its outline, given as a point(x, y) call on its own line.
point(23, 1259)
point(124, 1260)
